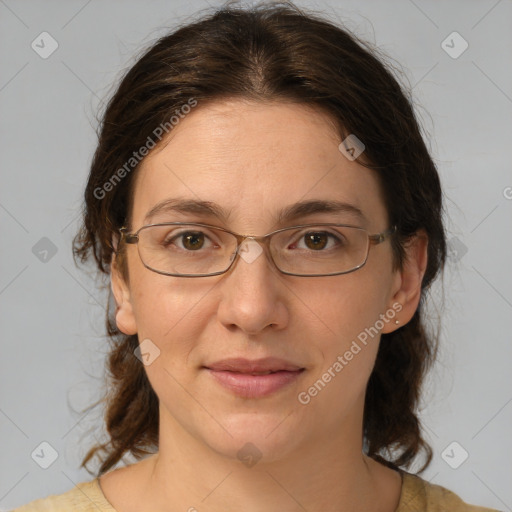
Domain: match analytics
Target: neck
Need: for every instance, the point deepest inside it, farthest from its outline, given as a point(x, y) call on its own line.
point(332, 475)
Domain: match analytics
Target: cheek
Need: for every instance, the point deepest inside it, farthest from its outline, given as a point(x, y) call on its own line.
point(346, 313)
point(345, 306)
point(169, 312)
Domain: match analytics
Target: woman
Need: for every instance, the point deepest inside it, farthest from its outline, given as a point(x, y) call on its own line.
point(271, 220)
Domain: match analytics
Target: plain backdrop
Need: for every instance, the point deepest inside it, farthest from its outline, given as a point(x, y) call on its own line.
point(52, 314)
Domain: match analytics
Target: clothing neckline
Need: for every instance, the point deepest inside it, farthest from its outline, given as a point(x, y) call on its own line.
point(408, 492)
point(99, 497)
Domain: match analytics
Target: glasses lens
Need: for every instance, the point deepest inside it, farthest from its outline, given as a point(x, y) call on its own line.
point(186, 249)
point(319, 250)
point(189, 249)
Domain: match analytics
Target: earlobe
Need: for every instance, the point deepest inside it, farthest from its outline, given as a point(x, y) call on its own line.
point(409, 279)
point(125, 318)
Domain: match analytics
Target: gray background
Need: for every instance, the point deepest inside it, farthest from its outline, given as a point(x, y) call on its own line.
point(52, 314)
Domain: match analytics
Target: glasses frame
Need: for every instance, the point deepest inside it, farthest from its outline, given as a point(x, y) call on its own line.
point(133, 238)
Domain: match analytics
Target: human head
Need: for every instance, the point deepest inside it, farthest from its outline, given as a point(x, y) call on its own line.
point(270, 62)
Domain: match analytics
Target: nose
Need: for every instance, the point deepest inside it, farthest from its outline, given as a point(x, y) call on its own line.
point(253, 295)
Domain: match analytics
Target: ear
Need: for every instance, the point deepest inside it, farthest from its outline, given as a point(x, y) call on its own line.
point(125, 318)
point(406, 291)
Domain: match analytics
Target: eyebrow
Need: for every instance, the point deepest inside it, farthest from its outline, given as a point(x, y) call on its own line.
point(287, 214)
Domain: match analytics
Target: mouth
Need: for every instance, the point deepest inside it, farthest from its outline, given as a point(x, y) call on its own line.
point(254, 379)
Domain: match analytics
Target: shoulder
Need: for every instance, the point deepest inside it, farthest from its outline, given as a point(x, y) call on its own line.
point(418, 495)
point(84, 497)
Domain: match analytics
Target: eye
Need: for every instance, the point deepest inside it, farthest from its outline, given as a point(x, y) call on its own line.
point(187, 240)
point(318, 240)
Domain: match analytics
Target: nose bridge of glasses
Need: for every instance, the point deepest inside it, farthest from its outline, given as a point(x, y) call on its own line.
point(245, 240)
point(250, 247)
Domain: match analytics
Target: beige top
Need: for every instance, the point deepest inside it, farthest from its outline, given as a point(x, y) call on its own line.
point(417, 495)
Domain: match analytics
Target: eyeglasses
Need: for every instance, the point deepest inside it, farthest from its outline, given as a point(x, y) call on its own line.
point(198, 250)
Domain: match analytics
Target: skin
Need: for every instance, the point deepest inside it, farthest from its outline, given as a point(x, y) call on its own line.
point(253, 159)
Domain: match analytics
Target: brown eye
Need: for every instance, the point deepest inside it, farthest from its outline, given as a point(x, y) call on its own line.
point(186, 240)
point(193, 241)
point(316, 241)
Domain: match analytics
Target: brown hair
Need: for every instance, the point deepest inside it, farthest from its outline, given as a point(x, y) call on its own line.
point(270, 52)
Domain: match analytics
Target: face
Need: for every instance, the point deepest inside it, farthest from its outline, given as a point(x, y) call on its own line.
point(253, 160)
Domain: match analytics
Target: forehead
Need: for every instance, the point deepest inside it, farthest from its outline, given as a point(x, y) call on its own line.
point(254, 160)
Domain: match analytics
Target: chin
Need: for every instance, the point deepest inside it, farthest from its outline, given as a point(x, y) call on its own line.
point(256, 437)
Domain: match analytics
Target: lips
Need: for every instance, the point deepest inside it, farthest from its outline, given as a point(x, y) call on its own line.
point(256, 378)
